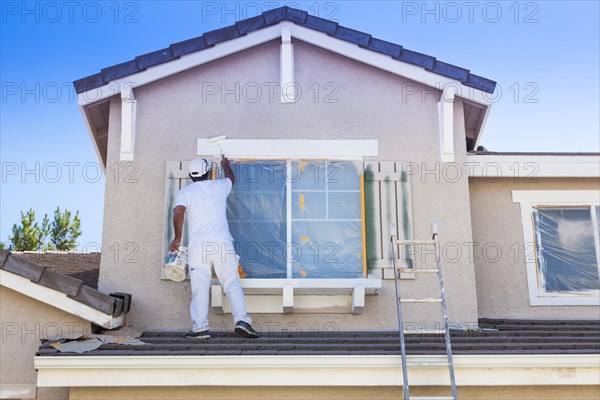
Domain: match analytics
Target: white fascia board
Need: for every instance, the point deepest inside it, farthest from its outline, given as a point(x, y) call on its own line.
point(529, 167)
point(387, 63)
point(58, 300)
point(290, 148)
point(364, 370)
point(184, 63)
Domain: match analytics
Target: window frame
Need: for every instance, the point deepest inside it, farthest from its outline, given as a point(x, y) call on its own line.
point(529, 199)
point(289, 193)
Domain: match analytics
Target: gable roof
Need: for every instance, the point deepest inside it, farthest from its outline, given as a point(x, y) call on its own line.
point(272, 17)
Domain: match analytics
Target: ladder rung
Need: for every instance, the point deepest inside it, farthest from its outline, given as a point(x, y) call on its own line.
point(424, 331)
point(432, 397)
point(419, 270)
point(414, 242)
point(426, 300)
point(427, 364)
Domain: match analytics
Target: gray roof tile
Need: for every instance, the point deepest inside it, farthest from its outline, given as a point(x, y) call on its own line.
point(89, 83)
point(188, 46)
point(350, 35)
point(95, 299)
point(24, 268)
point(320, 24)
point(275, 15)
point(155, 58)
point(221, 35)
point(295, 15)
point(420, 59)
point(481, 83)
point(451, 71)
point(120, 70)
point(251, 24)
point(61, 283)
point(381, 46)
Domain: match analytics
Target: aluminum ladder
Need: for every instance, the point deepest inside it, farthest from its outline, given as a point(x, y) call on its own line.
point(442, 300)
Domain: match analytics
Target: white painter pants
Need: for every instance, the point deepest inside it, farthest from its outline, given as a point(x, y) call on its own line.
point(220, 256)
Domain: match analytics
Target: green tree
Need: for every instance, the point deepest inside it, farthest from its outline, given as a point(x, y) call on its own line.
point(64, 231)
point(30, 236)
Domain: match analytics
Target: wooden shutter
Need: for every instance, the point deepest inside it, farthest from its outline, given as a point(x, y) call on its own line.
point(176, 177)
point(387, 202)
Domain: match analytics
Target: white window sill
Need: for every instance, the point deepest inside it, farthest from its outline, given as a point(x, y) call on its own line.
point(299, 295)
point(565, 300)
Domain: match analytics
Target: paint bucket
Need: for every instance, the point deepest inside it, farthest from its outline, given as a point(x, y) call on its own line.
point(175, 267)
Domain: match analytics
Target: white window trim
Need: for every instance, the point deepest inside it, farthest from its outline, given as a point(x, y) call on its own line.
point(290, 148)
point(530, 198)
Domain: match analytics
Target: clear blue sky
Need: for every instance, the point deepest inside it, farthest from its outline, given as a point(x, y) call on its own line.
point(543, 54)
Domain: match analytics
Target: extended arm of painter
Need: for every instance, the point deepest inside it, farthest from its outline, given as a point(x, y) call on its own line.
point(178, 217)
point(227, 169)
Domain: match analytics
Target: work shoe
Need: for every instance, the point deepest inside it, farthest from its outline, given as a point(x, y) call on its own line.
point(197, 335)
point(246, 330)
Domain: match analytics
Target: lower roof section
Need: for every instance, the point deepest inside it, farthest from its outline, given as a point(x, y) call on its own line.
point(500, 353)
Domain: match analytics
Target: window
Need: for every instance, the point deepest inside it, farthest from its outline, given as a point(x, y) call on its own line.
point(562, 232)
point(567, 248)
point(298, 219)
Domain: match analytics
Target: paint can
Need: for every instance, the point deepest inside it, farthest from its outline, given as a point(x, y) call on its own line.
point(176, 267)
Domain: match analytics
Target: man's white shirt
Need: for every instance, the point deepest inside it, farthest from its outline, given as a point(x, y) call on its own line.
point(206, 208)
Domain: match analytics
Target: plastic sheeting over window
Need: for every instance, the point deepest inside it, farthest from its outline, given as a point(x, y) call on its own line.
point(296, 219)
point(256, 211)
point(567, 248)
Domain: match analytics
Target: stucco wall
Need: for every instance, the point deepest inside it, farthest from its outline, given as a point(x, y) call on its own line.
point(24, 322)
point(502, 279)
point(345, 393)
point(371, 104)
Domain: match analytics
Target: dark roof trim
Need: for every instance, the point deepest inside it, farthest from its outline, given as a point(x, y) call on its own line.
point(272, 17)
point(72, 287)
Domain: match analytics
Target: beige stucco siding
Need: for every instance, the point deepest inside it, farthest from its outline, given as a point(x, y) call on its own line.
point(502, 280)
point(24, 323)
point(370, 104)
